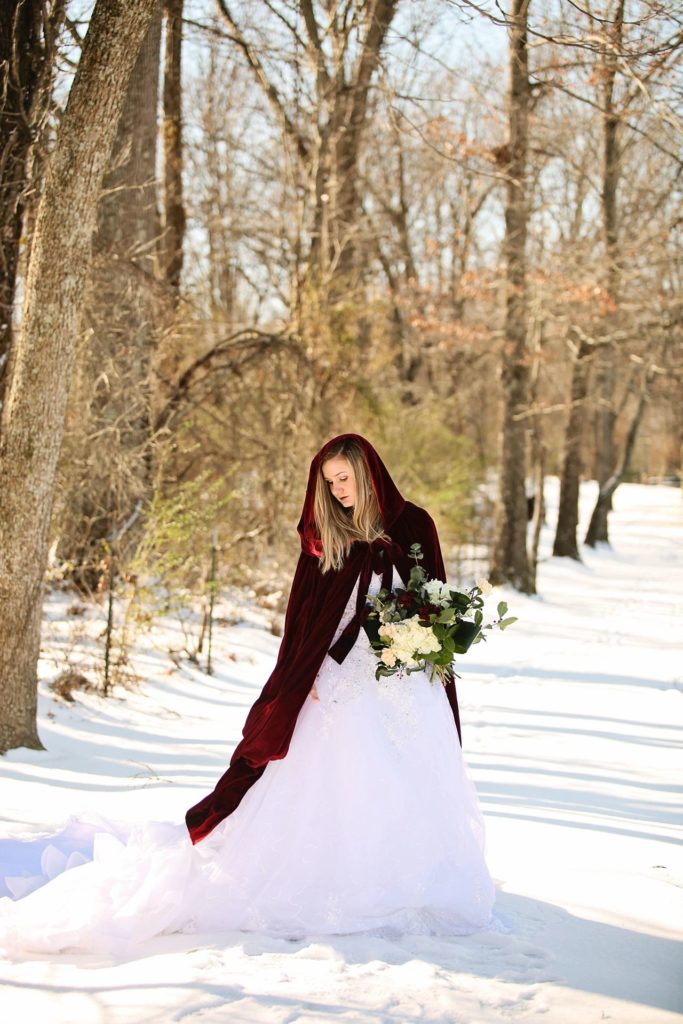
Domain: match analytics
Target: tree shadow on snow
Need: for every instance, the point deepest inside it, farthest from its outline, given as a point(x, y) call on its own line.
point(545, 945)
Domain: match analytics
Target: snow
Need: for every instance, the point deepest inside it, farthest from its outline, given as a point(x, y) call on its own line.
point(571, 727)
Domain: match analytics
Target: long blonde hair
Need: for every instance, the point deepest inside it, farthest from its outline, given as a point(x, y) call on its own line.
point(339, 527)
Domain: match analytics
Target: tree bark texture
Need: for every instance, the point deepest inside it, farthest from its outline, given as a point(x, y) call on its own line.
point(174, 211)
point(510, 561)
point(538, 517)
point(107, 446)
point(565, 544)
point(128, 222)
point(605, 377)
point(598, 526)
point(33, 416)
point(27, 34)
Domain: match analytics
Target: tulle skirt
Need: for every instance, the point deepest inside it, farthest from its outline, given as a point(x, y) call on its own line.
point(369, 824)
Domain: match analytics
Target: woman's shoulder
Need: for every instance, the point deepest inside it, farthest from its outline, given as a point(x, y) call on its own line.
point(414, 525)
point(413, 514)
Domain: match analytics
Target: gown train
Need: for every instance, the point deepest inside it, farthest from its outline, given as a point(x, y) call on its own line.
point(369, 824)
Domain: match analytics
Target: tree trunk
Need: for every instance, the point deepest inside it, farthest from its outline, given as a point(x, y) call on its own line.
point(128, 223)
point(565, 544)
point(27, 33)
point(510, 563)
point(538, 452)
point(538, 518)
point(605, 378)
point(107, 454)
point(597, 528)
point(174, 211)
point(33, 416)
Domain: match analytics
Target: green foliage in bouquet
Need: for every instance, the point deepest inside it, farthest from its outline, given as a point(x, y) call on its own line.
point(426, 623)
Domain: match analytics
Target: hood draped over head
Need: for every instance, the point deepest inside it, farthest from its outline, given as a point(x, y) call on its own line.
point(316, 604)
point(389, 499)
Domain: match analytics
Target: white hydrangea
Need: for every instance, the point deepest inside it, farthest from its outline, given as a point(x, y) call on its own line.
point(408, 640)
point(429, 643)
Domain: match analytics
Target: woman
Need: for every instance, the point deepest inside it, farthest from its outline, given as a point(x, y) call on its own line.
point(346, 806)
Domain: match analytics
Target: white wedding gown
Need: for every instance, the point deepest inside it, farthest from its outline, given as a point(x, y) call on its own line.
point(369, 824)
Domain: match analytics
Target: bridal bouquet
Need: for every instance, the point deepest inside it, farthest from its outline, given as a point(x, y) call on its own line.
point(422, 626)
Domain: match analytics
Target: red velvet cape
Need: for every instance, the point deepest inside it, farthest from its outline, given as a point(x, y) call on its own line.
point(315, 607)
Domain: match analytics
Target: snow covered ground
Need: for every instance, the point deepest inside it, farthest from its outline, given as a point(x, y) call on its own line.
point(571, 726)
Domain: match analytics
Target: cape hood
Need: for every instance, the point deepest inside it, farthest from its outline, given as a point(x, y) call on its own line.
point(315, 606)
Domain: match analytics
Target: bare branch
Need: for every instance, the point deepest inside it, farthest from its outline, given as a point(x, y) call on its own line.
point(315, 43)
point(242, 346)
point(261, 77)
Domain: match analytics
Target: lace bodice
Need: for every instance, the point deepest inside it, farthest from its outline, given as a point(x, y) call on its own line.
point(374, 588)
point(337, 684)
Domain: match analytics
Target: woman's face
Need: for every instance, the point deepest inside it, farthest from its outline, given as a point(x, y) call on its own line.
point(341, 480)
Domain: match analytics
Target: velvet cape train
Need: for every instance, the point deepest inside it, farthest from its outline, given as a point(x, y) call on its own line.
point(314, 609)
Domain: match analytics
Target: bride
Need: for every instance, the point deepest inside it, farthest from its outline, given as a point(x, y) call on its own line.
point(346, 806)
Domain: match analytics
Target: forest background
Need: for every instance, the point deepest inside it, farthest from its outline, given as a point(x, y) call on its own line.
point(232, 230)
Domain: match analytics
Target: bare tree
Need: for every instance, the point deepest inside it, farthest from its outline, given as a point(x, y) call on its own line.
point(344, 55)
point(174, 210)
point(611, 173)
point(565, 543)
point(597, 527)
point(33, 416)
point(510, 561)
point(423, 208)
point(637, 48)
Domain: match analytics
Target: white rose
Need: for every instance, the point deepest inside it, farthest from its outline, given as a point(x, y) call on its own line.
point(388, 657)
point(440, 593)
point(433, 589)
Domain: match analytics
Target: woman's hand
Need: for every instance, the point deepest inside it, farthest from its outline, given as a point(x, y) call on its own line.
point(314, 694)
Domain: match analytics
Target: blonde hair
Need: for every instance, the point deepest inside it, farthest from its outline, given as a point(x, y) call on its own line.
point(339, 527)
